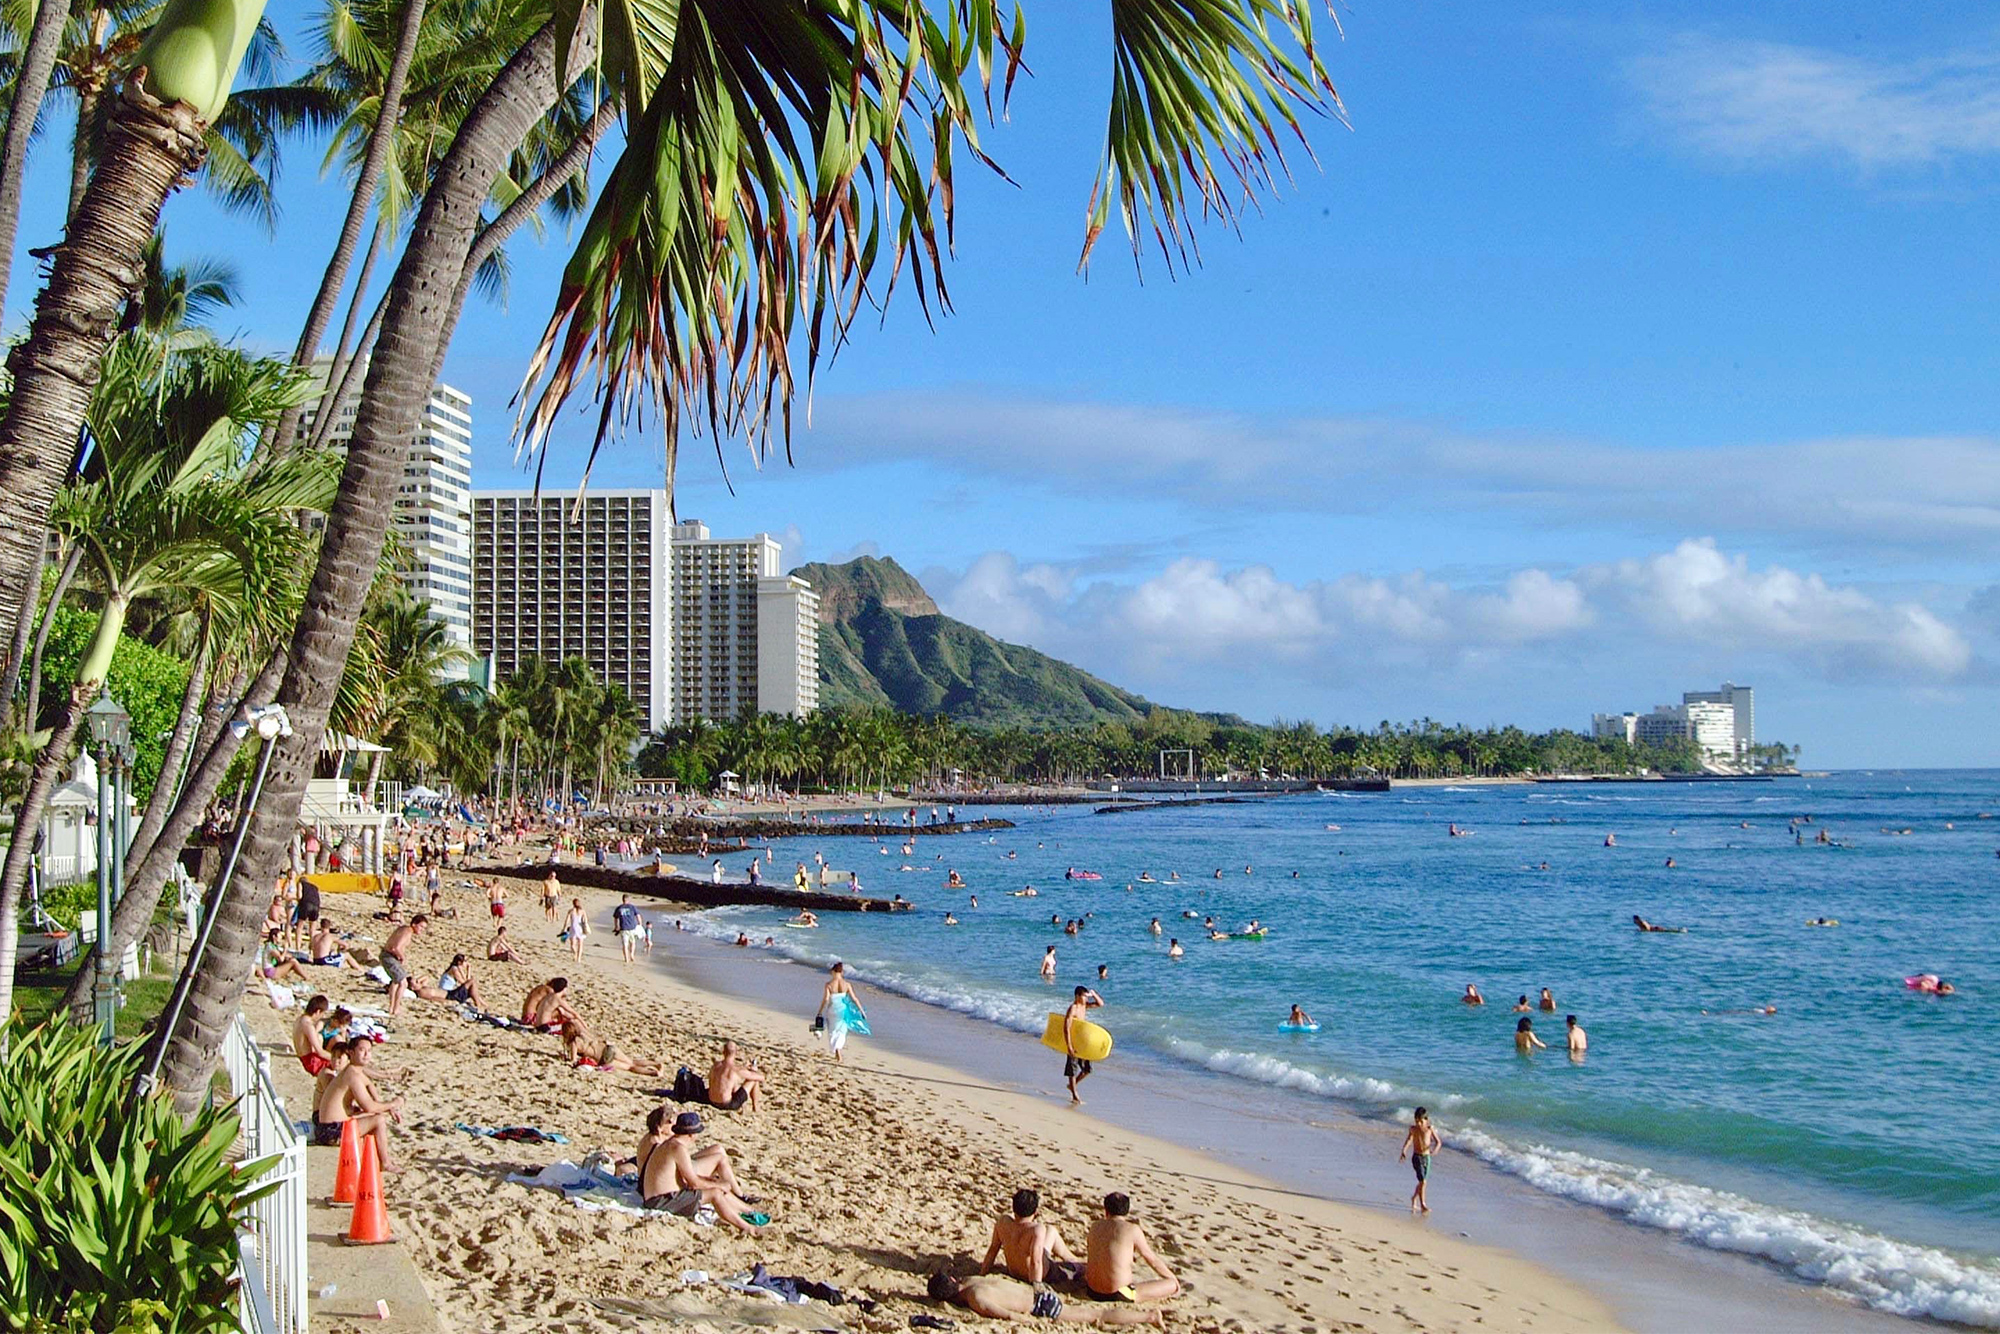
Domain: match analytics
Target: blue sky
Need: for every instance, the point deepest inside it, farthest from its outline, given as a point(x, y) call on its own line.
point(1609, 353)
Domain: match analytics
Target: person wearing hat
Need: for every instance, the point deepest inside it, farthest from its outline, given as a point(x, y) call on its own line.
point(676, 1178)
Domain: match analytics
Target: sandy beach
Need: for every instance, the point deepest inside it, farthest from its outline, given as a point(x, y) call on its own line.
point(874, 1172)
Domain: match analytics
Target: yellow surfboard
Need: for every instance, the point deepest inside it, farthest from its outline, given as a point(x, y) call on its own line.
point(1093, 1043)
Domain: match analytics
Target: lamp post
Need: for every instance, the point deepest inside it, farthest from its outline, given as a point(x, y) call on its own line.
point(110, 734)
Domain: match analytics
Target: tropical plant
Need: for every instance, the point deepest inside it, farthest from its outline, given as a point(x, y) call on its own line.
point(116, 1212)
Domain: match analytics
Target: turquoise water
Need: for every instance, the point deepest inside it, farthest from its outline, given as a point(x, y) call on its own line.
point(1853, 1137)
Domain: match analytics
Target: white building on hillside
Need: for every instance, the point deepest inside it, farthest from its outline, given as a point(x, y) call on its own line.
point(433, 499)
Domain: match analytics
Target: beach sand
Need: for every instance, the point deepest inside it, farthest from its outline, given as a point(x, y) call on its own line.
point(875, 1172)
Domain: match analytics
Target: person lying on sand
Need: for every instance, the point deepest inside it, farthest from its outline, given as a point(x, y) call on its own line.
point(676, 1178)
point(351, 1095)
point(1035, 1251)
point(545, 1006)
point(584, 1047)
point(998, 1298)
point(1109, 1251)
point(734, 1083)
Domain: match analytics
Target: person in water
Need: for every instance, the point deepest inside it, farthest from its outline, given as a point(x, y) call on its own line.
point(1525, 1040)
point(1299, 1017)
point(1645, 925)
point(1420, 1141)
point(1521, 1006)
point(1472, 996)
point(1548, 1001)
point(1174, 950)
point(1579, 1041)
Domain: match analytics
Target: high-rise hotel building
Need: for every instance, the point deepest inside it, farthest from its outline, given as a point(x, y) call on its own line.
point(746, 637)
point(433, 499)
point(555, 580)
point(694, 627)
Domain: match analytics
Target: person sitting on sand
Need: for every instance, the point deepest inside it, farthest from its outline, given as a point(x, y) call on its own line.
point(1109, 1250)
point(351, 1095)
point(996, 1297)
point(1472, 996)
point(545, 1007)
point(583, 1047)
point(325, 948)
point(1525, 1040)
point(279, 964)
point(458, 985)
point(1036, 1253)
point(308, 1044)
point(498, 949)
point(674, 1178)
point(734, 1083)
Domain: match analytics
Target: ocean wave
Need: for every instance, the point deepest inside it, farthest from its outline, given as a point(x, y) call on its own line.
point(1893, 1276)
point(1283, 1074)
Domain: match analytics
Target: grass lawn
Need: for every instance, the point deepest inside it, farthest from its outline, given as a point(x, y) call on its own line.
point(36, 996)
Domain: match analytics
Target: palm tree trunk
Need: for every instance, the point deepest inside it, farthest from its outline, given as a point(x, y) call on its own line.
point(162, 800)
point(31, 593)
point(31, 84)
point(392, 401)
point(381, 139)
point(15, 875)
point(374, 777)
point(150, 147)
point(344, 374)
point(376, 239)
point(32, 709)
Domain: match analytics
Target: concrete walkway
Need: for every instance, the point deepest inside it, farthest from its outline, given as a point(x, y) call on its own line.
point(359, 1275)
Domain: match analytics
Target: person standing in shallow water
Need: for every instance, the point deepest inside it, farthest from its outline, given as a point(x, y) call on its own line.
point(1419, 1143)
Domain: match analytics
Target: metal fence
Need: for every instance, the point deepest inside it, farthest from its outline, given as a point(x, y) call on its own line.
point(274, 1246)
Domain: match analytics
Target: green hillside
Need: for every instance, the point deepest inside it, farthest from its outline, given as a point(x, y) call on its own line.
point(884, 644)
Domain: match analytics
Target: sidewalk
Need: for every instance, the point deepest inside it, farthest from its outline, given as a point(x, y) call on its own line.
point(360, 1275)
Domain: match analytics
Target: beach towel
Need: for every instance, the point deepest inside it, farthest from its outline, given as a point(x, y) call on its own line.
point(597, 1189)
point(516, 1134)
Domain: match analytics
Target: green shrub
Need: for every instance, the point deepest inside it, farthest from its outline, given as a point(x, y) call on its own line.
point(115, 1217)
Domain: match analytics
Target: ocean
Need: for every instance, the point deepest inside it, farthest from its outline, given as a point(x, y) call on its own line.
point(1852, 1137)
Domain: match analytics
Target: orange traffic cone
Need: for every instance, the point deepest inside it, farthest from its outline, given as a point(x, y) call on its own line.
point(348, 1173)
point(370, 1224)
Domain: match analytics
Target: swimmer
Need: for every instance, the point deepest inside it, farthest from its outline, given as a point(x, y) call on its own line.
point(975, 900)
point(1611, 840)
point(1822, 921)
point(1174, 950)
point(949, 920)
point(1299, 1017)
point(1525, 1040)
point(1761, 1009)
point(1154, 928)
point(1049, 965)
point(1548, 1001)
point(1521, 1006)
point(1670, 863)
point(1472, 996)
point(1645, 925)
point(1027, 893)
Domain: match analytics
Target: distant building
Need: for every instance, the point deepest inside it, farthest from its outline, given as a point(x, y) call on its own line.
point(1742, 702)
point(745, 636)
point(1712, 727)
point(1615, 727)
point(553, 582)
point(433, 499)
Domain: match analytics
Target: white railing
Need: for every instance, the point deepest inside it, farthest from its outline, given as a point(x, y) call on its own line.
point(274, 1244)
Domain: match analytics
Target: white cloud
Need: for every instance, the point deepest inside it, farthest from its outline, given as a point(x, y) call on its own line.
point(1931, 493)
point(1756, 101)
point(1694, 599)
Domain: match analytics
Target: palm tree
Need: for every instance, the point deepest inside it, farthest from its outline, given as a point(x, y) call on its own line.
point(748, 198)
point(166, 504)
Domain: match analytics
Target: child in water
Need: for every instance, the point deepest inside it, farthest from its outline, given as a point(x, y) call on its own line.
point(1419, 1143)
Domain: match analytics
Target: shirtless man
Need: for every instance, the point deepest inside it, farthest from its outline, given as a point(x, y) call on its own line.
point(1049, 965)
point(1108, 1254)
point(1579, 1041)
point(499, 949)
point(580, 1045)
point(496, 899)
point(1419, 1143)
point(1075, 1068)
point(308, 1044)
point(545, 1006)
point(325, 948)
point(734, 1083)
point(676, 1178)
point(1174, 950)
point(551, 887)
point(1035, 1251)
point(351, 1096)
point(998, 1298)
point(395, 957)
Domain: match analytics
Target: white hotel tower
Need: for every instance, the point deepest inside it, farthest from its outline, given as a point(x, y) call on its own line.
point(433, 500)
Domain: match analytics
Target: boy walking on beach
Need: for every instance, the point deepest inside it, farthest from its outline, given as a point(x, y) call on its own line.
point(1419, 1143)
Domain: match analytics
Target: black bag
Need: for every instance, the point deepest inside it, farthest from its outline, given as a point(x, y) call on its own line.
point(689, 1086)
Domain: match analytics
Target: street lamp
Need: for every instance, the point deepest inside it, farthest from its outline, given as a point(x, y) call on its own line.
point(110, 736)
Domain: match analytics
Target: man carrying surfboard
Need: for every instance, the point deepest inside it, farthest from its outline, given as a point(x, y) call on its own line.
point(1075, 1068)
